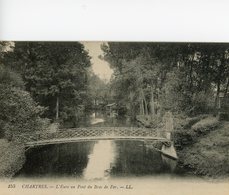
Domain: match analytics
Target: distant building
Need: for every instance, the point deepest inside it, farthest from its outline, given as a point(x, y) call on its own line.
point(111, 108)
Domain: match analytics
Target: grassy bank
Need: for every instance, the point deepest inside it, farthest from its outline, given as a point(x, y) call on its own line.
point(208, 155)
point(12, 158)
point(188, 131)
point(202, 145)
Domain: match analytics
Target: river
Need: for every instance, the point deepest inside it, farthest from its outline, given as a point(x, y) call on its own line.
point(97, 160)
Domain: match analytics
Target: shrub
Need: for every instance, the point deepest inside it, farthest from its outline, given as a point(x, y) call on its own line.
point(19, 113)
point(185, 122)
point(8, 77)
point(186, 136)
point(149, 121)
point(205, 125)
point(202, 103)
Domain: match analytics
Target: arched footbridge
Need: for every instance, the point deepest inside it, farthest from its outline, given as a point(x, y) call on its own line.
point(92, 134)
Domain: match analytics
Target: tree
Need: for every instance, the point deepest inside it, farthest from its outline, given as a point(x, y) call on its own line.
point(98, 90)
point(175, 76)
point(55, 74)
point(19, 113)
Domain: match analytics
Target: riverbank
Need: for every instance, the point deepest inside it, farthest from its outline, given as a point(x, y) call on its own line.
point(208, 156)
point(202, 145)
point(12, 158)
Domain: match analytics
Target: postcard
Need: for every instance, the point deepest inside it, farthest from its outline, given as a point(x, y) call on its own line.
point(86, 117)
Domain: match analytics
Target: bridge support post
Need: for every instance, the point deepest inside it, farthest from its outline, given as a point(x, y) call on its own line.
point(169, 149)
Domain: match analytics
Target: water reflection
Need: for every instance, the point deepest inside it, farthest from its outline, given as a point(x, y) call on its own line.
point(171, 164)
point(56, 160)
point(94, 119)
point(97, 160)
point(101, 160)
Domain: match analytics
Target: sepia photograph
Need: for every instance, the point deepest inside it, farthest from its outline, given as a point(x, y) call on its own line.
point(101, 111)
point(114, 97)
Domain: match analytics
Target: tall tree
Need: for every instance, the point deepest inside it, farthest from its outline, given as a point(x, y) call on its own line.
point(177, 76)
point(19, 113)
point(56, 75)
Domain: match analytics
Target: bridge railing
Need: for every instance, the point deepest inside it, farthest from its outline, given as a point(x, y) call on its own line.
point(91, 132)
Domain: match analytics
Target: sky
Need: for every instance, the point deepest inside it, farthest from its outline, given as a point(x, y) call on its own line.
point(99, 67)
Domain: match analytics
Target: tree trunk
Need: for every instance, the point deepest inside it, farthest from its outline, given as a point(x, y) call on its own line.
point(132, 107)
point(57, 108)
point(190, 75)
point(217, 96)
point(152, 107)
point(141, 108)
point(226, 89)
point(144, 103)
point(145, 106)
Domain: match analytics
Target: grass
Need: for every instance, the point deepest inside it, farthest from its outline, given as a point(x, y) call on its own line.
point(189, 132)
point(206, 125)
point(208, 155)
point(202, 144)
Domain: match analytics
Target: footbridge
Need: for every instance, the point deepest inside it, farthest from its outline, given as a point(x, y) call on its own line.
point(92, 134)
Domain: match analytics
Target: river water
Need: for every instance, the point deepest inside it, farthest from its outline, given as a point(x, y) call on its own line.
point(97, 160)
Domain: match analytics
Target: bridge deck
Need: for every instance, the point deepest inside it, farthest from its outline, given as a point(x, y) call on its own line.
point(85, 139)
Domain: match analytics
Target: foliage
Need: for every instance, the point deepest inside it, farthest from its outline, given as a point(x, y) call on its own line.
point(206, 124)
point(56, 74)
point(12, 158)
point(8, 77)
point(150, 122)
point(151, 78)
point(19, 113)
point(188, 131)
point(209, 156)
point(98, 91)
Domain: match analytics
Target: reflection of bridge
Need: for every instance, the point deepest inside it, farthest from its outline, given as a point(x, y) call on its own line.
point(92, 134)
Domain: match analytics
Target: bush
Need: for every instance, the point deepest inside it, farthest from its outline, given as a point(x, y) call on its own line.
point(8, 77)
point(184, 122)
point(205, 125)
point(19, 113)
point(186, 136)
point(224, 116)
point(149, 121)
point(202, 103)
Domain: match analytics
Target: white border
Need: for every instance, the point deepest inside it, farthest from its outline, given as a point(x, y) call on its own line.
point(115, 20)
